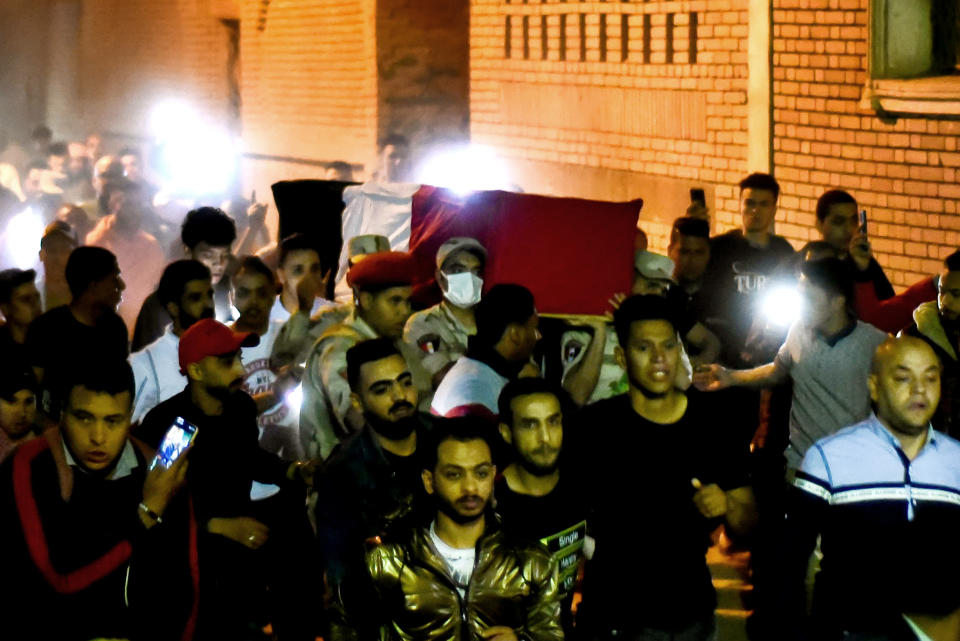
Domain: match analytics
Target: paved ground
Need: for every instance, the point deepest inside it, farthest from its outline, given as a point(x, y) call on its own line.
point(731, 579)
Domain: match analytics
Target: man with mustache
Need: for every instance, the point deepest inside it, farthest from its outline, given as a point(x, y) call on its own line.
point(224, 462)
point(382, 287)
point(186, 293)
point(461, 576)
point(882, 495)
point(371, 484)
point(536, 502)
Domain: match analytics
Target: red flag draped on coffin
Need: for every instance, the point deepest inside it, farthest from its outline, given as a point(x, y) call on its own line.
point(573, 254)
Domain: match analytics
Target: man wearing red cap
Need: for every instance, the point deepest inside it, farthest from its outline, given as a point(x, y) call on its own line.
point(225, 461)
point(382, 285)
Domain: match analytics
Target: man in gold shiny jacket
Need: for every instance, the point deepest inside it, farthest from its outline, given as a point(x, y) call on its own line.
point(460, 578)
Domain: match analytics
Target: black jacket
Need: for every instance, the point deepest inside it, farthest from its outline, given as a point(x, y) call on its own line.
point(79, 564)
point(361, 494)
point(226, 457)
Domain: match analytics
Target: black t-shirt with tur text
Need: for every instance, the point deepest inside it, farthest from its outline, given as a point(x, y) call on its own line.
point(649, 568)
point(734, 284)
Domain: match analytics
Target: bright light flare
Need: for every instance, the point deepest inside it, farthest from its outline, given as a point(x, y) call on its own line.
point(22, 239)
point(464, 169)
point(294, 398)
point(782, 305)
point(195, 157)
point(168, 116)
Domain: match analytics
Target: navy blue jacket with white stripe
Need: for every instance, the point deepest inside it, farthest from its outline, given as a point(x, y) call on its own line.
point(889, 529)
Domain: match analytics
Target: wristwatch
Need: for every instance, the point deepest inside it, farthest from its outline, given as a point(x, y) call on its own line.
point(143, 507)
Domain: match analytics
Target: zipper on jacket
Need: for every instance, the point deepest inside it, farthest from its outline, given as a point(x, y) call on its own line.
point(464, 623)
point(462, 600)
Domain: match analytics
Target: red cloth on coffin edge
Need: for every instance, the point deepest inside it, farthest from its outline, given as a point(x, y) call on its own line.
point(573, 254)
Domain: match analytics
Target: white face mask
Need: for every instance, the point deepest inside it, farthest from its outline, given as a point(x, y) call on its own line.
point(463, 290)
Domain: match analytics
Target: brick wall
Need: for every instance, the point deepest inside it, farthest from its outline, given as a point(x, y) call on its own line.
point(616, 100)
point(309, 79)
point(23, 65)
point(903, 172)
point(423, 70)
point(134, 53)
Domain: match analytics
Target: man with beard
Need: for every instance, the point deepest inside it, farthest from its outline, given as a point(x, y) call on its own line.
point(882, 495)
point(938, 323)
point(534, 500)
point(382, 286)
point(371, 484)
point(663, 445)
point(461, 576)
point(187, 294)
point(244, 546)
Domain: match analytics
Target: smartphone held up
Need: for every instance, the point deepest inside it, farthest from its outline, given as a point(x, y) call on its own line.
point(175, 441)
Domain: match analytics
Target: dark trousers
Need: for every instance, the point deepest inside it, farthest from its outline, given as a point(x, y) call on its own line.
point(700, 631)
point(279, 583)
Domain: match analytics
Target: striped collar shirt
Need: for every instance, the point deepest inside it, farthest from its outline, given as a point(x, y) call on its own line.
point(864, 464)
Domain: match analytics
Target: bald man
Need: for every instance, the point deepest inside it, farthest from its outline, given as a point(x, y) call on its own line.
point(884, 496)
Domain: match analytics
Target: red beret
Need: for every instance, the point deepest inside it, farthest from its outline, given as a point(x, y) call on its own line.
point(382, 270)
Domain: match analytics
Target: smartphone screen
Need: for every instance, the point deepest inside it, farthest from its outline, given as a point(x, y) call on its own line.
point(863, 221)
point(177, 438)
point(697, 196)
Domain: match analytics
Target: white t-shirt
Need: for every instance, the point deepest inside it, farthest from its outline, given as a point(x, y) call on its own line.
point(156, 373)
point(459, 561)
point(278, 424)
point(470, 388)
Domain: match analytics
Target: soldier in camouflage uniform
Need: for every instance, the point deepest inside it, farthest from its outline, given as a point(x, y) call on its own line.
point(381, 286)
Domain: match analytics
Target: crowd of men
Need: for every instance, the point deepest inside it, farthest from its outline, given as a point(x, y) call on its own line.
point(360, 469)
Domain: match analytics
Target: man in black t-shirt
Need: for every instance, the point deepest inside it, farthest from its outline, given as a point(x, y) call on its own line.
point(85, 331)
point(533, 500)
point(741, 264)
point(689, 250)
point(661, 480)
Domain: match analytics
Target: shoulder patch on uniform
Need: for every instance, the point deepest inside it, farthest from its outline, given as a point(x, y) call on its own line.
point(429, 343)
